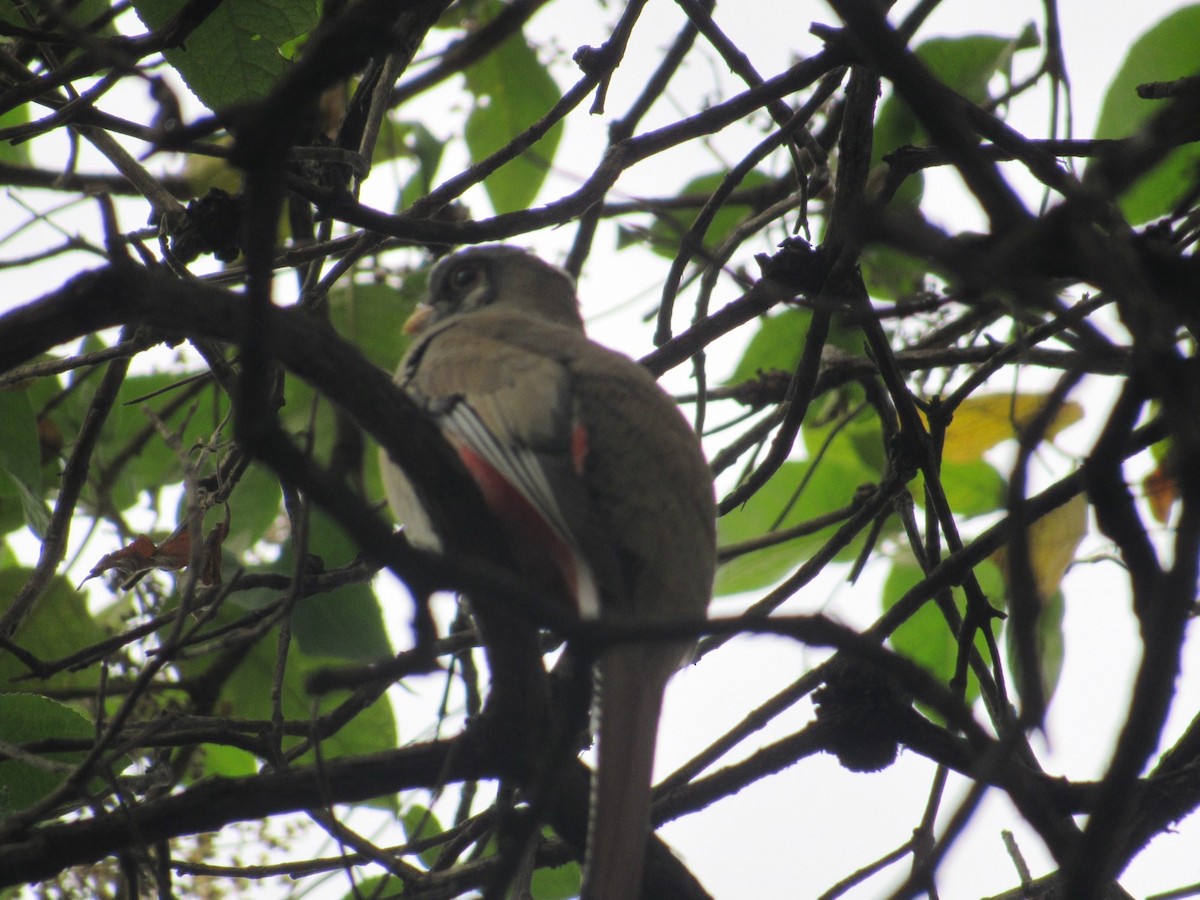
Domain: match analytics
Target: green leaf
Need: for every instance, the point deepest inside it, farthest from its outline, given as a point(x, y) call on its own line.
point(327, 631)
point(890, 274)
point(247, 693)
point(842, 457)
point(20, 463)
point(372, 316)
point(255, 504)
point(347, 623)
point(377, 888)
point(776, 345)
point(12, 508)
point(1050, 644)
point(414, 140)
point(11, 153)
point(420, 823)
point(838, 474)
point(779, 342)
point(925, 638)
point(861, 435)
point(229, 762)
point(560, 883)
point(80, 15)
point(670, 226)
point(58, 626)
point(512, 91)
point(966, 64)
point(972, 488)
point(128, 433)
point(25, 718)
point(1164, 53)
point(239, 51)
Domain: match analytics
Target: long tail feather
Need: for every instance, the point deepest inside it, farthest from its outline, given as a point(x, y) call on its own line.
point(629, 688)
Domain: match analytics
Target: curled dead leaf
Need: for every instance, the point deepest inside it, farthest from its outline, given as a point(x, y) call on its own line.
point(142, 555)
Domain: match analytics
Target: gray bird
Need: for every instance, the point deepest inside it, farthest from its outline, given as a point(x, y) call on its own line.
point(598, 483)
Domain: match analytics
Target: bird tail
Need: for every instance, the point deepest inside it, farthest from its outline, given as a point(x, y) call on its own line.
point(629, 690)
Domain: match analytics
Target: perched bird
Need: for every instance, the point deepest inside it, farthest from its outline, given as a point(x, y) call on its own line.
point(598, 484)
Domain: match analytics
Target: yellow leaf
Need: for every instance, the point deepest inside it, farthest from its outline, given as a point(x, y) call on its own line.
point(1053, 540)
point(981, 423)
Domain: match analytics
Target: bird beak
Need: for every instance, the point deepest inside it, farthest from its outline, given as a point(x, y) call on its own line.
point(420, 317)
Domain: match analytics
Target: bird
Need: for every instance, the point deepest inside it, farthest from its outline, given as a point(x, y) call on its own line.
point(598, 484)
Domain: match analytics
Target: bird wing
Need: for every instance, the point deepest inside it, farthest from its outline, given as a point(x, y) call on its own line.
point(510, 413)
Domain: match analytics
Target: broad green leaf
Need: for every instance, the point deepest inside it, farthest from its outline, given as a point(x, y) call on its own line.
point(20, 463)
point(372, 316)
point(239, 51)
point(512, 91)
point(420, 823)
point(779, 342)
point(890, 274)
point(967, 64)
point(29, 717)
point(11, 153)
point(347, 623)
point(972, 488)
point(560, 883)
point(1164, 53)
point(255, 505)
point(129, 434)
point(229, 762)
point(669, 226)
point(926, 637)
point(835, 480)
point(847, 427)
point(1050, 644)
point(776, 345)
point(59, 626)
point(842, 456)
point(246, 694)
point(377, 887)
point(981, 422)
point(415, 141)
point(12, 507)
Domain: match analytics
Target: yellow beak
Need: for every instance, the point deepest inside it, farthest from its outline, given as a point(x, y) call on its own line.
point(420, 317)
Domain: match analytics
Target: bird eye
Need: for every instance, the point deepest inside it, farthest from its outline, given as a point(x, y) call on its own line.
point(464, 277)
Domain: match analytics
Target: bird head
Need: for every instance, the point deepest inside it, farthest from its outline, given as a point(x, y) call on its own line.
point(499, 277)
